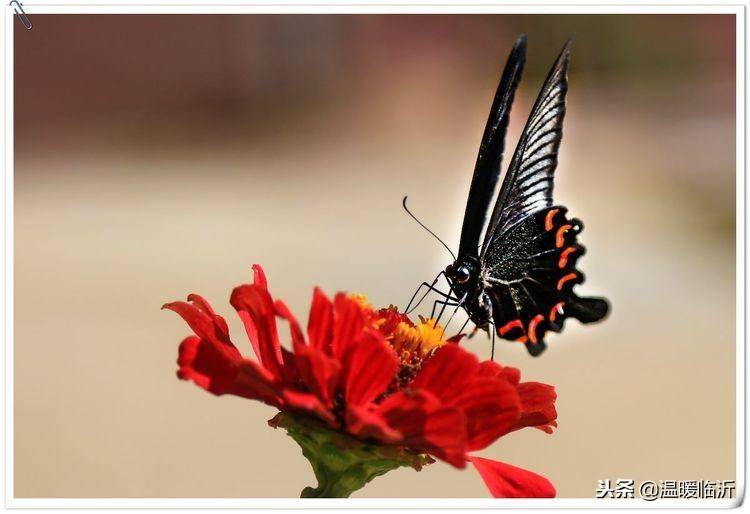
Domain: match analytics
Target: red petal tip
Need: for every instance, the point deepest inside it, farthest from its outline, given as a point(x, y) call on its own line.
point(506, 481)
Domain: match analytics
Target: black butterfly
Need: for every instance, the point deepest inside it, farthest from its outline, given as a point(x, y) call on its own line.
point(520, 280)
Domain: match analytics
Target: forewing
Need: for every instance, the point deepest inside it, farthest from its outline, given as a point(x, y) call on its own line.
point(528, 183)
point(531, 273)
point(487, 168)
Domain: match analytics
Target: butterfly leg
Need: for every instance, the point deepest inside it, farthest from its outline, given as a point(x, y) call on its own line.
point(491, 327)
point(458, 306)
point(446, 303)
point(423, 284)
point(492, 353)
point(460, 330)
point(430, 287)
point(408, 308)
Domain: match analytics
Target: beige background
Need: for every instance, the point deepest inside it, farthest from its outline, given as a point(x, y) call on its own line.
point(162, 155)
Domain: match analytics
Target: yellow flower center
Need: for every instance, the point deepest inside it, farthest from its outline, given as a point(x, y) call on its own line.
point(417, 341)
point(361, 300)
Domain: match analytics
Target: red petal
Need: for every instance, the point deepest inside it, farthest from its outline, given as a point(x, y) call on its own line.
point(259, 277)
point(512, 374)
point(319, 372)
point(537, 406)
point(200, 303)
point(204, 323)
point(320, 323)
point(189, 356)
point(289, 373)
point(427, 426)
point(252, 332)
point(489, 369)
point(506, 481)
point(310, 404)
point(447, 372)
point(370, 366)
point(493, 369)
point(284, 312)
point(455, 339)
point(348, 322)
point(257, 383)
point(364, 423)
point(260, 322)
point(492, 408)
point(202, 362)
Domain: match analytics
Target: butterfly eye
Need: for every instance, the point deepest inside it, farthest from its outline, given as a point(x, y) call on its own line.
point(462, 274)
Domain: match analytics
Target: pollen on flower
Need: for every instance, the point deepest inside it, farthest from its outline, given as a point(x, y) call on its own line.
point(413, 344)
point(361, 299)
point(417, 340)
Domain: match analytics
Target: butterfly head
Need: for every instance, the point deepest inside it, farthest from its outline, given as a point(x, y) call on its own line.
point(464, 276)
point(458, 273)
point(462, 273)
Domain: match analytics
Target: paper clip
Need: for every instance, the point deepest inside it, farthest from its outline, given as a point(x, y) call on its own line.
point(21, 14)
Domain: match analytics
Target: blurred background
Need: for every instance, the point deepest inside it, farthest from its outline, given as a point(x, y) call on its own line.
point(161, 155)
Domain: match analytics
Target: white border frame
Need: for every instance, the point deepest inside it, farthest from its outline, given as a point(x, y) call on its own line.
point(9, 24)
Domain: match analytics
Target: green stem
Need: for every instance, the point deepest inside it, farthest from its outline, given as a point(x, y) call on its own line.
point(341, 463)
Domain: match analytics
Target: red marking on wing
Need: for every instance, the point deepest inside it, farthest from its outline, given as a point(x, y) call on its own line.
point(548, 219)
point(532, 327)
point(564, 256)
point(560, 237)
point(510, 326)
point(566, 278)
point(522, 339)
point(555, 309)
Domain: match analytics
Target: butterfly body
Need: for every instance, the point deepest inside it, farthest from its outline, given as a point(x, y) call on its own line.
point(518, 282)
point(477, 302)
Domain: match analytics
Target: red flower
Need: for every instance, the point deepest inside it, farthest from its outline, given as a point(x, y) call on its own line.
point(372, 374)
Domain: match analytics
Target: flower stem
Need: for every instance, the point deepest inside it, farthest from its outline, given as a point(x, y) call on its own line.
point(341, 463)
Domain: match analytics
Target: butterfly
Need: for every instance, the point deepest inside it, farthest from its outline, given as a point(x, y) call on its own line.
point(519, 282)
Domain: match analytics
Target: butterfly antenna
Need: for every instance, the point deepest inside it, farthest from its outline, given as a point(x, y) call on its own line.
point(427, 229)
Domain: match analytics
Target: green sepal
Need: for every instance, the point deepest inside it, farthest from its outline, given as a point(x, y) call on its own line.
point(341, 463)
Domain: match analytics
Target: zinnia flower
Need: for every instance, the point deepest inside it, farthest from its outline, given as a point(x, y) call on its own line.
point(366, 390)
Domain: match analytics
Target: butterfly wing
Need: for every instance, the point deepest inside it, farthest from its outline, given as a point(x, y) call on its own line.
point(487, 169)
point(530, 247)
point(531, 273)
point(528, 183)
